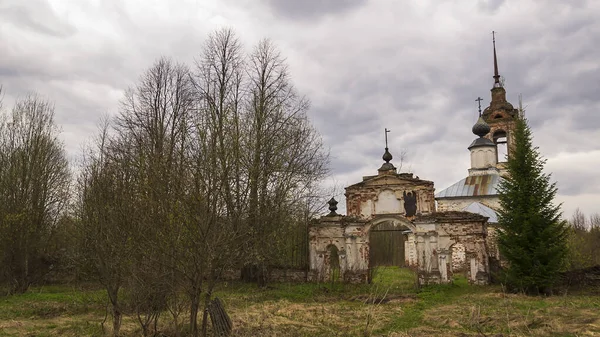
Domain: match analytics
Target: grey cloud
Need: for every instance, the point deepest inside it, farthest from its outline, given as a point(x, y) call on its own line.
point(572, 185)
point(35, 15)
point(418, 76)
point(490, 6)
point(311, 9)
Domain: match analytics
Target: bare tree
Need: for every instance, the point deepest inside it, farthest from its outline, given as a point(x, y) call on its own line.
point(132, 191)
point(584, 240)
point(34, 182)
point(157, 115)
point(285, 153)
point(216, 202)
point(594, 221)
point(219, 83)
point(594, 238)
point(104, 211)
point(578, 220)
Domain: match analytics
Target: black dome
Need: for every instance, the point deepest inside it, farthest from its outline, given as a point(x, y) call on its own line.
point(387, 156)
point(481, 128)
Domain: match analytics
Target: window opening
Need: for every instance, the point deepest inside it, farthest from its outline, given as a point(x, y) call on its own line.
point(501, 142)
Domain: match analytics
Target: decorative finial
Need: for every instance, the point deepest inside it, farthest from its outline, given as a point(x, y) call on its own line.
point(332, 207)
point(478, 100)
point(387, 156)
point(386, 132)
point(496, 75)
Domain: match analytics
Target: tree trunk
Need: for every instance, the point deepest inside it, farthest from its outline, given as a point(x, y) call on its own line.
point(116, 310)
point(205, 313)
point(248, 273)
point(117, 317)
point(194, 306)
point(262, 276)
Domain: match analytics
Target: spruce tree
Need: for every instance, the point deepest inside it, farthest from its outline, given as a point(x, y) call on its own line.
point(532, 237)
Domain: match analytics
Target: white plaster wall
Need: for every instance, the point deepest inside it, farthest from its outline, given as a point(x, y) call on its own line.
point(357, 248)
point(412, 250)
point(482, 157)
point(321, 237)
point(366, 208)
point(443, 267)
point(387, 202)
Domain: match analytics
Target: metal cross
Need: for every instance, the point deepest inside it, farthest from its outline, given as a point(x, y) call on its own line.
point(386, 142)
point(479, 99)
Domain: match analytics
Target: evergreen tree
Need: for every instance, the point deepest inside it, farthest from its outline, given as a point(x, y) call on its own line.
point(532, 237)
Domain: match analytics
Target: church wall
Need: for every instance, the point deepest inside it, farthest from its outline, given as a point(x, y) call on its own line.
point(428, 249)
point(459, 257)
point(351, 241)
point(492, 242)
point(471, 239)
point(458, 204)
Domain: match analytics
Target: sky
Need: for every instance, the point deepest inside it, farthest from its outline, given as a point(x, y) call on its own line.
point(414, 67)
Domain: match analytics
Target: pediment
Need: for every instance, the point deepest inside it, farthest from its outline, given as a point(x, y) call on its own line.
point(390, 180)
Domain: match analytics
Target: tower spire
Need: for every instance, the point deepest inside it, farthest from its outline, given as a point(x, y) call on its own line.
point(496, 75)
point(387, 167)
point(387, 156)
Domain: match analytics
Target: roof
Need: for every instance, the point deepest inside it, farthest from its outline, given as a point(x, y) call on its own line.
point(471, 186)
point(482, 209)
point(479, 142)
point(450, 216)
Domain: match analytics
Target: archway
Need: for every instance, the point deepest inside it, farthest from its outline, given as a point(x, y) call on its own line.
point(391, 240)
point(332, 262)
point(388, 241)
point(387, 245)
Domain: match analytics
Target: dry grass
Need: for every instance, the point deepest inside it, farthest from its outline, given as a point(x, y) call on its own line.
point(391, 307)
point(343, 318)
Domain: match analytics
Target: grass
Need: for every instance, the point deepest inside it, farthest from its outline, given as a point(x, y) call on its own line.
point(391, 306)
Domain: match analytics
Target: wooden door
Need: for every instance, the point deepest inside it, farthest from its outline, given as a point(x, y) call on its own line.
point(386, 246)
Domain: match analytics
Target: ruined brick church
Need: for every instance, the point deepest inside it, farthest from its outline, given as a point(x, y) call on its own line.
point(396, 218)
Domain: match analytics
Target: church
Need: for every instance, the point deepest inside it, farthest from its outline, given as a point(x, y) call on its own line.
point(397, 219)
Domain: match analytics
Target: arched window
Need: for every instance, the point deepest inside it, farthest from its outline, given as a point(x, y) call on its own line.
point(333, 261)
point(500, 140)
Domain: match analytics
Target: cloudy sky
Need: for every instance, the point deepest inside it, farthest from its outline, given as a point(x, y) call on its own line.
point(415, 67)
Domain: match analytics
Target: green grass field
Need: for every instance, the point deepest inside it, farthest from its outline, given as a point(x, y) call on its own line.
point(391, 306)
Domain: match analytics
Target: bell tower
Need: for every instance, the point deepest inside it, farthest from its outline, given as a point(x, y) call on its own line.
point(500, 115)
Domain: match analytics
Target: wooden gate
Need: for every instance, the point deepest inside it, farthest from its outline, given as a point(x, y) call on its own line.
point(386, 246)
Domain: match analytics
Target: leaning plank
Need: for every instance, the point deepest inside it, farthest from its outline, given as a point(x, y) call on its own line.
point(221, 322)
